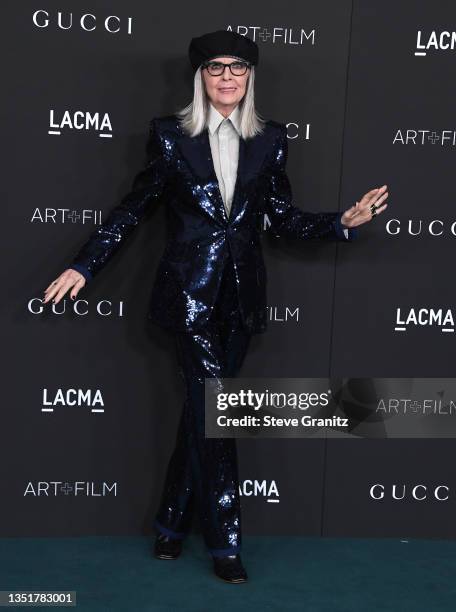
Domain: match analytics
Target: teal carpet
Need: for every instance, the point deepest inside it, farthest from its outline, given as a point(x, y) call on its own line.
point(285, 573)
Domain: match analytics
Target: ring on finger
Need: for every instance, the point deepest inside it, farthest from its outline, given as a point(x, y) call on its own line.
point(373, 210)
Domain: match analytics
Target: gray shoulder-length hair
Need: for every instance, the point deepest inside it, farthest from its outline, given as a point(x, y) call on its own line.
point(193, 118)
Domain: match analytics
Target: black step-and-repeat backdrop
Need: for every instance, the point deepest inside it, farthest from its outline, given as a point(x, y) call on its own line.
point(91, 394)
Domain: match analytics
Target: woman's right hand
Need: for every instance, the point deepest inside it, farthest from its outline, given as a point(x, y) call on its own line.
point(69, 279)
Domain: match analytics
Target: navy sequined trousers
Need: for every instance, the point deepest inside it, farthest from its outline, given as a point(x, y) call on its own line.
point(202, 473)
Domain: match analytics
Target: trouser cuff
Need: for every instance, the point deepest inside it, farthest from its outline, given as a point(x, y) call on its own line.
point(178, 535)
point(224, 552)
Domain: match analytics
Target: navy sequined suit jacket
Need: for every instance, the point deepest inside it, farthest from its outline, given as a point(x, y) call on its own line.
point(200, 237)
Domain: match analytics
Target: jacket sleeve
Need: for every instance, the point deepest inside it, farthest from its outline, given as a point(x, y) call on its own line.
point(289, 220)
point(147, 188)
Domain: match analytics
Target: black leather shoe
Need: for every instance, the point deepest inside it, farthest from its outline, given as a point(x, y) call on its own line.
point(166, 547)
point(230, 569)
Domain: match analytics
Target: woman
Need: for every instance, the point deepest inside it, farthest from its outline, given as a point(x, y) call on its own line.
point(219, 166)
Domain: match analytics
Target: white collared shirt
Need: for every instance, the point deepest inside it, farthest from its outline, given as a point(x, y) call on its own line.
point(224, 134)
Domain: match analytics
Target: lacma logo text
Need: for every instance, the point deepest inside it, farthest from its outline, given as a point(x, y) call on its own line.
point(79, 120)
point(425, 317)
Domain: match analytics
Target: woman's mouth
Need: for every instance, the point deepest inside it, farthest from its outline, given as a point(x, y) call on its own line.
point(227, 89)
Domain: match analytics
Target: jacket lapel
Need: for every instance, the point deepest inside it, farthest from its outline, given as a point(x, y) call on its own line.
point(197, 153)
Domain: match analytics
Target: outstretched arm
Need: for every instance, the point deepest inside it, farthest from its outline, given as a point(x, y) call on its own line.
point(291, 221)
point(147, 188)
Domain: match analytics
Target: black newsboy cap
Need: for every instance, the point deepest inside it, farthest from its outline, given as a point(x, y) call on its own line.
point(222, 43)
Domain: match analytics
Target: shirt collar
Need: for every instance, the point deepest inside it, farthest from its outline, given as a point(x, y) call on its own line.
point(216, 118)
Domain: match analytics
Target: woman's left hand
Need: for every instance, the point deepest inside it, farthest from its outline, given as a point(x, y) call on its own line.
point(361, 212)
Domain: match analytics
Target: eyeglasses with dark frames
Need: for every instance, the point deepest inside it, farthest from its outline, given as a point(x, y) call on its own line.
point(218, 68)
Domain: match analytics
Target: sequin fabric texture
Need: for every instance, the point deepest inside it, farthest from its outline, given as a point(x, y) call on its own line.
point(202, 473)
point(200, 237)
point(210, 290)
